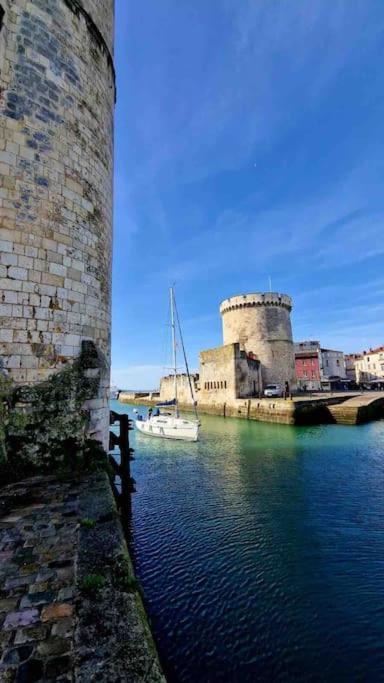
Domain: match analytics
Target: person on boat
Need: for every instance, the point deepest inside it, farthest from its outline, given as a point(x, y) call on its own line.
point(139, 418)
point(149, 413)
point(156, 412)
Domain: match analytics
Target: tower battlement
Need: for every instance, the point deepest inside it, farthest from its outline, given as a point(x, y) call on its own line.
point(256, 299)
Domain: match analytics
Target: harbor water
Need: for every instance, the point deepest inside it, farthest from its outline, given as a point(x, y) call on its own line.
point(260, 550)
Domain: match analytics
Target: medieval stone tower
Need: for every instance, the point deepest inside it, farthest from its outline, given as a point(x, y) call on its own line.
point(261, 324)
point(57, 94)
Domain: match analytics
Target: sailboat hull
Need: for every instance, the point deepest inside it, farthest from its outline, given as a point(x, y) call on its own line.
point(165, 427)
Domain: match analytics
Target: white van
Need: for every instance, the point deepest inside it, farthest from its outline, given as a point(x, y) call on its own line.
point(273, 390)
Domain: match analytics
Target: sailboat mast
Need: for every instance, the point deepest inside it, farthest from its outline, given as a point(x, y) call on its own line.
point(174, 345)
point(186, 361)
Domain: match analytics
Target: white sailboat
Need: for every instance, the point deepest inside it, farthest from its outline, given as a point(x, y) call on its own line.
point(170, 426)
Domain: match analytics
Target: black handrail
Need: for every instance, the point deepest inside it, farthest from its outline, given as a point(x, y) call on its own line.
point(122, 469)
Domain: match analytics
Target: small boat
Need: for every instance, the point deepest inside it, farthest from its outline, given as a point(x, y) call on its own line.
point(168, 425)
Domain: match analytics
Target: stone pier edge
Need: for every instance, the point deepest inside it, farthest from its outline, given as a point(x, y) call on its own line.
point(113, 639)
point(343, 409)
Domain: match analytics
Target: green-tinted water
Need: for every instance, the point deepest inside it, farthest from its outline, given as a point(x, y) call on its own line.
point(261, 551)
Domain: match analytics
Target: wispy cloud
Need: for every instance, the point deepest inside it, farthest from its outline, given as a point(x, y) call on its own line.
point(249, 144)
point(272, 59)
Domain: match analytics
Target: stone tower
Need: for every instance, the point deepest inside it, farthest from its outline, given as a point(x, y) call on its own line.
point(261, 323)
point(56, 161)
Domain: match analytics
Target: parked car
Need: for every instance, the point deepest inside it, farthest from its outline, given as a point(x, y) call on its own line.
point(273, 390)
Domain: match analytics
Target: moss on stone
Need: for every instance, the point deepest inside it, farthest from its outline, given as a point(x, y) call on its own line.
point(44, 426)
point(92, 583)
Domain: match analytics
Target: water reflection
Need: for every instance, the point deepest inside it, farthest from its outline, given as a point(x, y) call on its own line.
point(260, 551)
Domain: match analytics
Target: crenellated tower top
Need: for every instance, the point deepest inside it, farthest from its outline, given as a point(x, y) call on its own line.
point(256, 299)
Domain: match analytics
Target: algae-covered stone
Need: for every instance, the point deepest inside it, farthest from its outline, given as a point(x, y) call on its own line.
point(44, 427)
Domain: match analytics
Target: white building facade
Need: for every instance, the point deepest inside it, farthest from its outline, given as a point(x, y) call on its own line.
point(370, 366)
point(332, 364)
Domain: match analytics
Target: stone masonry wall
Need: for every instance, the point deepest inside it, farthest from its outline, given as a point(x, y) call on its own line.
point(226, 374)
point(247, 375)
point(57, 95)
point(102, 13)
point(217, 375)
point(167, 389)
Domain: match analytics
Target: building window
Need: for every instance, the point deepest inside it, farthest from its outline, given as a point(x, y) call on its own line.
point(1, 17)
point(225, 384)
point(221, 385)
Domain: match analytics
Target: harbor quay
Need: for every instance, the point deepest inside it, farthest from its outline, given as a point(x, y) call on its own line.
point(338, 408)
point(260, 374)
point(70, 606)
point(258, 354)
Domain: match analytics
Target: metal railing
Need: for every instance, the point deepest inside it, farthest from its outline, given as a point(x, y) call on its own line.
point(122, 469)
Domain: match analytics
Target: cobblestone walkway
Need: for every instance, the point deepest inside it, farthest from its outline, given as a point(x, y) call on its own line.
point(39, 524)
point(54, 536)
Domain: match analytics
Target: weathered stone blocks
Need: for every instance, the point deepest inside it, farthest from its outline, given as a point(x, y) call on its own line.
point(56, 162)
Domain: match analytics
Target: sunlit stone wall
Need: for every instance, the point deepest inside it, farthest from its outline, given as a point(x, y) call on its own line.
point(56, 161)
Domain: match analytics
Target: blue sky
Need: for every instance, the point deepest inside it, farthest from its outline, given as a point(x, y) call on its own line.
point(249, 143)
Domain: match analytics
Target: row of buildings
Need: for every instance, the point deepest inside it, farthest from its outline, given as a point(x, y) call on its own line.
point(366, 367)
point(258, 350)
point(320, 368)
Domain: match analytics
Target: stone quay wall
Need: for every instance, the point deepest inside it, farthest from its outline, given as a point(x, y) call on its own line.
point(167, 388)
point(261, 324)
point(324, 408)
point(56, 163)
point(70, 607)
